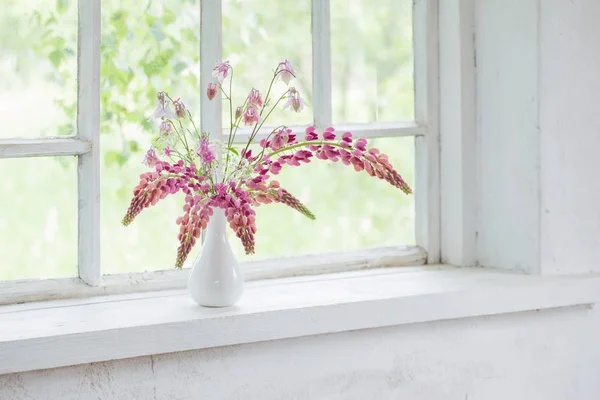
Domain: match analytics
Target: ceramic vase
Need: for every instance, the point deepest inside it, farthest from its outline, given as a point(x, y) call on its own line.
point(216, 279)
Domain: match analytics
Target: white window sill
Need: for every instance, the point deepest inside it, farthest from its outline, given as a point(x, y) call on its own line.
point(69, 332)
point(19, 291)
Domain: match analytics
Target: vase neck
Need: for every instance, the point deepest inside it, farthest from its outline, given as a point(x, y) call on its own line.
point(218, 222)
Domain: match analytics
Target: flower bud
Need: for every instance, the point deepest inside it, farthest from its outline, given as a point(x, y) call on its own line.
point(179, 109)
point(211, 91)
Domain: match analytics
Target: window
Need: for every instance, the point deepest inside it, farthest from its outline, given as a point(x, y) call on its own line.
point(81, 82)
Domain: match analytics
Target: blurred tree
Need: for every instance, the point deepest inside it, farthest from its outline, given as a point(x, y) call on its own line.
point(153, 45)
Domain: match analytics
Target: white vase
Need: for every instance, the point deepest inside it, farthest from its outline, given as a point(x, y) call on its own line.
point(216, 279)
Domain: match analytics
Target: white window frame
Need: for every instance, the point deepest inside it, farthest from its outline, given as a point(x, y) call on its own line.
point(85, 145)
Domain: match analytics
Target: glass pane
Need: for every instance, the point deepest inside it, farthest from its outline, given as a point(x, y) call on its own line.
point(144, 50)
point(257, 35)
point(353, 210)
point(38, 218)
point(372, 60)
point(38, 65)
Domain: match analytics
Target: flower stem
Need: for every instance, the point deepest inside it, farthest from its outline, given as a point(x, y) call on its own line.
point(306, 143)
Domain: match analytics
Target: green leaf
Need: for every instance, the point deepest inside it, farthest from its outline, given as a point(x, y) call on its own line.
point(134, 146)
point(65, 130)
point(61, 6)
point(118, 22)
point(134, 116)
point(158, 64)
point(49, 21)
point(55, 57)
point(57, 42)
point(147, 125)
point(114, 158)
point(234, 151)
point(150, 20)
point(168, 17)
point(189, 35)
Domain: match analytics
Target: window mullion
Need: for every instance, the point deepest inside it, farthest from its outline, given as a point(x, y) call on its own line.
point(321, 52)
point(210, 55)
point(427, 168)
point(88, 128)
point(43, 147)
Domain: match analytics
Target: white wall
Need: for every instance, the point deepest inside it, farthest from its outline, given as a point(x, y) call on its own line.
point(538, 209)
point(570, 136)
point(529, 356)
point(506, 35)
point(538, 135)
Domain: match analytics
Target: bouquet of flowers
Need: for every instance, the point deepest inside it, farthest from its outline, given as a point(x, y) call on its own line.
point(213, 174)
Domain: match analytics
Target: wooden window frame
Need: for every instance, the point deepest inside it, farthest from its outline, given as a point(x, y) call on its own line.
point(85, 145)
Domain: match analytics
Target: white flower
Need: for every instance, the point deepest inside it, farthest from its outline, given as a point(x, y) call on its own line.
point(294, 101)
point(286, 72)
point(163, 108)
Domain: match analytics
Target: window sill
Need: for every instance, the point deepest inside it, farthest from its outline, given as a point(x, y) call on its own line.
point(70, 332)
point(21, 291)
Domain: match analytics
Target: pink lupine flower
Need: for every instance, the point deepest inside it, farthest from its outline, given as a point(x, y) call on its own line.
point(320, 154)
point(361, 144)
point(150, 159)
point(303, 155)
point(211, 91)
point(247, 154)
point(221, 70)
point(286, 72)
point(275, 193)
point(357, 164)
point(163, 109)
point(294, 101)
point(254, 98)
point(346, 156)
point(251, 115)
point(179, 109)
point(249, 184)
point(328, 134)
point(331, 152)
point(310, 134)
point(275, 168)
point(292, 161)
point(206, 151)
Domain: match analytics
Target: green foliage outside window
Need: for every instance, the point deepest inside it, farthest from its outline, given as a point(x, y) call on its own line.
point(153, 45)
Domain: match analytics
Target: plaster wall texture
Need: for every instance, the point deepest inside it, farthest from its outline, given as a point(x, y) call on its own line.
point(542, 355)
